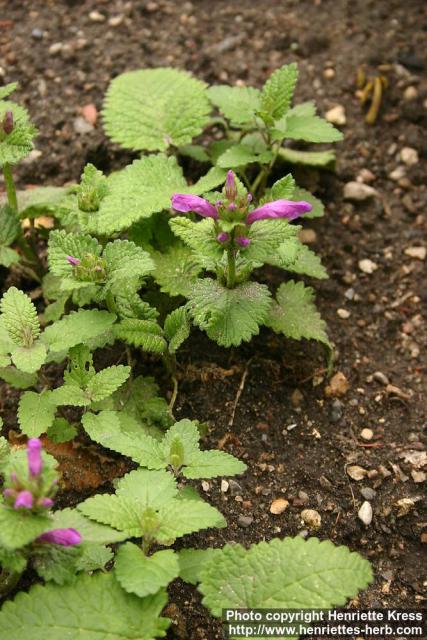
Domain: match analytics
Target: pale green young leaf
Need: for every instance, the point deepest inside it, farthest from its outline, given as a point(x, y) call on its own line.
point(80, 367)
point(309, 158)
point(194, 151)
point(63, 244)
point(7, 89)
point(106, 382)
point(129, 304)
point(19, 142)
point(18, 379)
point(10, 227)
point(125, 261)
point(123, 434)
point(183, 516)
point(90, 531)
point(304, 109)
point(278, 91)
point(295, 314)
point(143, 334)
point(29, 359)
point(201, 238)
point(306, 262)
point(18, 528)
point(237, 104)
point(61, 431)
point(152, 109)
point(55, 562)
point(93, 557)
point(311, 129)
point(211, 464)
point(70, 395)
point(187, 432)
point(284, 188)
point(318, 208)
point(92, 608)
point(283, 574)
point(40, 201)
point(77, 328)
point(92, 189)
point(266, 237)
point(148, 488)
point(36, 412)
point(144, 575)
point(177, 328)
point(193, 561)
point(212, 179)
point(19, 317)
point(241, 155)
point(176, 270)
point(229, 316)
point(120, 513)
point(8, 257)
point(138, 399)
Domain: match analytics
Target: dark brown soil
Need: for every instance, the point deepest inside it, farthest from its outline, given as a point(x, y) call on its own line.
point(297, 445)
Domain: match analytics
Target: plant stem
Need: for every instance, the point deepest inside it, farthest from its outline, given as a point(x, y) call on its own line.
point(169, 360)
point(10, 187)
point(231, 272)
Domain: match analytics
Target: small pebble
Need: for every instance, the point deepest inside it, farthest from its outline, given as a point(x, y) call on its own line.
point(356, 473)
point(410, 93)
point(367, 434)
point(336, 115)
point(55, 48)
point(96, 16)
point(338, 386)
point(337, 411)
point(116, 21)
point(329, 73)
point(235, 488)
point(311, 518)
point(368, 493)
point(367, 266)
point(365, 175)
point(308, 236)
point(343, 313)
point(278, 506)
point(409, 156)
point(37, 33)
point(365, 513)
point(245, 521)
point(205, 486)
point(380, 377)
point(419, 253)
point(418, 476)
point(82, 126)
point(397, 174)
point(90, 113)
point(224, 486)
point(297, 398)
point(358, 191)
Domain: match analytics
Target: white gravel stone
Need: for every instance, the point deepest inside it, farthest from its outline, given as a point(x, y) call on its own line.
point(365, 513)
point(409, 156)
point(367, 266)
point(358, 191)
point(336, 115)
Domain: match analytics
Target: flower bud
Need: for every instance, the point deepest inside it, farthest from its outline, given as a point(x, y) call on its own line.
point(35, 462)
point(230, 186)
point(73, 261)
point(8, 122)
point(243, 241)
point(63, 537)
point(223, 237)
point(24, 500)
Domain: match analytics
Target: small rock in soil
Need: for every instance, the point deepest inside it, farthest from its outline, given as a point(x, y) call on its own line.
point(367, 434)
point(37, 33)
point(308, 236)
point(224, 486)
point(325, 483)
point(416, 252)
point(356, 473)
point(343, 313)
point(336, 115)
point(397, 174)
point(418, 476)
point(368, 493)
point(297, 398)
point(358, 191)
point(245, 521)
point(55, 48)
point(380, 377)
point(409, 156)
point(81, 126)
point(90, 113)
point(338, 386)
point(337, 411)
point(96, 16)
point(367, 266)
point(205, 486)
point(235, 488)
point(278, 506)
point(365, 175)
point(311, 518)
point(365, 513)
point(404, 505)
point(410, 93)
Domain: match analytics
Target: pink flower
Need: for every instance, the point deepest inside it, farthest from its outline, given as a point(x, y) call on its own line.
point(279, 209)
point(63, 537)
point(231, 186)
point(35, 462)
point(74, 262)
point(184, 203)
point(24, 500)
point(223, 237)
point(243, 241)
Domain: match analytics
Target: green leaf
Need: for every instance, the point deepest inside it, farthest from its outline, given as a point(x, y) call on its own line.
point(36, 413)
point(193, 561)
point(152, 109)
point(91, 532)
point(39, 201)
point(177, 328)
point(91, 608)
point(237, 104)
point(29, 359)
point(18, 379)
point(201, 238)
point(63, 244)
point(56, 563)
point(77, 328)
point(92, 189)
point(7, 89)
point(106, 382)
point(278, 91)
point(310, 129)
point(143, 334)
point(8, 257)
point(212, 179)
point(176, 270)
point(318, 209)
point(310, 158)
point(61, 431)
point(70, 395)
point(94, 556)
point(283, 574)
point(145, 575)
point(194, 151)
point(10, 227)
point(241, 155)
point(229, 316)
point(125, 261)
point(295, 314)
point(306, 262)
point(284, 188)
point(129, 304)
point(19, 142)
point(19, 528)
point(139, 399)
point(19, 317)
point(266, 237)
point(211, 464)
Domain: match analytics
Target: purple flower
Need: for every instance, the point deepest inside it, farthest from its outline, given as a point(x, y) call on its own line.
point(24, 500)
point(46, 503)
point(63, 537)
point(223, 237)
point(243, 241)
point(73, 261)
point(9, 493)
point(230, 186)
point(8, 122)
point(279, 209)
point(185, 203)
point(35, 462)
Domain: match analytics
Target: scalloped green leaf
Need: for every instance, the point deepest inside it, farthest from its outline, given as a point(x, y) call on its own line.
point(36, 413)
point(145, 575)
point(176, 270)
point(309, 158)
point(144, 334)
point(17, 144)
point(19, 317)
point(237, 104)
point(77, 328)
point(278, 91)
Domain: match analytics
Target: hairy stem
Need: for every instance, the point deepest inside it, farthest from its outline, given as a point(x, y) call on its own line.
point(169, 360)
point(10, 187)
point(231, 268)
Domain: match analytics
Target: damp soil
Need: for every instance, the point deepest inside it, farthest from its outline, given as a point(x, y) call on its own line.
point(267, 402)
